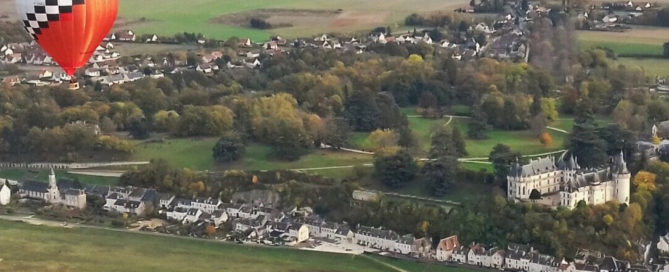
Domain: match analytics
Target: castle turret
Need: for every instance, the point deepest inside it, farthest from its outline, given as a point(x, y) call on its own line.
point(622, 177)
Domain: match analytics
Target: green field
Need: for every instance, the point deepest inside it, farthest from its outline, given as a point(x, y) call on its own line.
point(167, 17)
point(522, 141)
point(644, 41)
point(196, 154)
point(40, 248)
point(651, 66)
point(18, 174)
point(193, 153)
point(259, 157)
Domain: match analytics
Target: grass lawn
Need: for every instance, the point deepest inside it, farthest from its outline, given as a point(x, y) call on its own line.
point(522, 141)
point(167, 17)
point(43, 175)
point(41, 248)
point(258, 157)
point(423, 129)
point(193, 153)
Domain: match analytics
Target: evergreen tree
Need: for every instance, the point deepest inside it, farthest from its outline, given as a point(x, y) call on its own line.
point(440, 175)
point(397, 170)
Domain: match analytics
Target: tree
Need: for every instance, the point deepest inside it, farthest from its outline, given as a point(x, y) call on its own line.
point(666, 50)
point(645, 180)
point(478, 124)
point(459, 141)
point(397, 170)
point(229, 147)
point(139, 128)
point(502, 157)
point(586, 144)
point(362, 111)
point(535, 194)
point(337, 132)
point(445, 143)
point(384, 141)
point(546, 139)
point(440, 175)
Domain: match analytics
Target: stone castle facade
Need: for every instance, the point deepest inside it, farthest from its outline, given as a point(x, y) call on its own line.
point(565, 184)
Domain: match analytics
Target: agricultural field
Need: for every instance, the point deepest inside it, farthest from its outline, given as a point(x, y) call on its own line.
point(227, 18)
point(645, 41)
point(651, 66)
point(41, 248)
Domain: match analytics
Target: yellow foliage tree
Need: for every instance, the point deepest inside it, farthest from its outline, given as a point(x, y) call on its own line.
point(645, 180)
point(546, 139)
point(656, 140)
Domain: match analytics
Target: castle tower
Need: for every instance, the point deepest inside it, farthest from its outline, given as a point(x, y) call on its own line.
point(53, 194)
point(622, 178)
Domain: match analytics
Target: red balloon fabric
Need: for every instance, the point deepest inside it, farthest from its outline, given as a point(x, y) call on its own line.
point(68, 30)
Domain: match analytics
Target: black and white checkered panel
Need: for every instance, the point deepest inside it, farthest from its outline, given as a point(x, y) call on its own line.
point(49, 12)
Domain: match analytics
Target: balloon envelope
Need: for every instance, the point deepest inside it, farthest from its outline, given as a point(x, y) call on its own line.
point(68, 30)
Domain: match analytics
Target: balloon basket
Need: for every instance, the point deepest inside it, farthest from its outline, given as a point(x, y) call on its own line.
point(74, 84)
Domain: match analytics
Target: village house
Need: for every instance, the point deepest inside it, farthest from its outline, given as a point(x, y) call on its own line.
point(446, 247)
point(422, 248)
point(245, 42)
point(543, 263)
point(518, 257)
point(404, 244)
point(377, 238)
point(460, 254)
point(494, 258)
point(663, 244)
point(63, 192)
point(476, 255)
point(5, 193)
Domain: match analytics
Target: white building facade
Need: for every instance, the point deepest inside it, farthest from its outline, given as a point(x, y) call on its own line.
point(569, 183)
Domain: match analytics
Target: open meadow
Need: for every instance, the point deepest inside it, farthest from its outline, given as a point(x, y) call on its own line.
point(226, 18)
point(40, 248)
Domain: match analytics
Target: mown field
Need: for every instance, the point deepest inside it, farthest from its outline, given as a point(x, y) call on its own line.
point(40, 248)
point(167, 17)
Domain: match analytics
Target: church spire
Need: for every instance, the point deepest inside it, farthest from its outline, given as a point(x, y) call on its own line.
point(52, 179)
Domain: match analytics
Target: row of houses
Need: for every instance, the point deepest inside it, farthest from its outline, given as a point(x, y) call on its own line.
point(516, 257)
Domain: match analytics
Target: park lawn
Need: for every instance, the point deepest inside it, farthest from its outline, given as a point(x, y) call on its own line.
point(477, 166)
point(522, 141)
point(563, 123)
point(259, 157)
point(41, 248)
point(43, 175)
point(423, 129)
point(651, 66)
point(193, 153)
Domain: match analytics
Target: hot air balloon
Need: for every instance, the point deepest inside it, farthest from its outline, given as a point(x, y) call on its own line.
point(68, 30)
